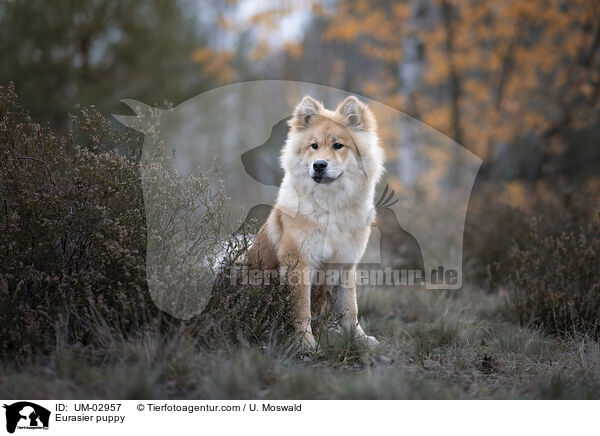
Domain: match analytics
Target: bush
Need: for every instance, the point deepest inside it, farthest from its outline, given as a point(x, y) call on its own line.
point(73, 232)
point(259, 312)
point(539, 243)
point(555, 283)
point(74, 239)
point(499, 218)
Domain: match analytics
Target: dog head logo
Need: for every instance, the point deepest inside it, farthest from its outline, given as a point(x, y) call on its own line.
point(229, 140)
point(26, 415)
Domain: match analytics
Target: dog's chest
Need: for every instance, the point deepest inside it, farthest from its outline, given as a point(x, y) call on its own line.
point(336, 239)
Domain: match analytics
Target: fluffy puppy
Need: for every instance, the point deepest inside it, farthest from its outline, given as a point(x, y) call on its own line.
point(321, 223)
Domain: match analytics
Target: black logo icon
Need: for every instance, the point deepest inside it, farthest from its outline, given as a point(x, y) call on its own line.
point(26, 415)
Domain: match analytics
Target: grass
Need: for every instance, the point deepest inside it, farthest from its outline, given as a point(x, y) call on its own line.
point(434, 345)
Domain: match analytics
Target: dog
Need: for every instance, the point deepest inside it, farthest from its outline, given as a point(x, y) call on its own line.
point(332, 161)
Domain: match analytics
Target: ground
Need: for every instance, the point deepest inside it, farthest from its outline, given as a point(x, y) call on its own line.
point(434, 345)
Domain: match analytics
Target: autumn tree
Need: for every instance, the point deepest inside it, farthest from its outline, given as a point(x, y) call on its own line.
point(515, 82)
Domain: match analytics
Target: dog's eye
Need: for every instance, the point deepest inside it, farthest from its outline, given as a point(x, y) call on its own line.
point(337, 146)
point(314, 145)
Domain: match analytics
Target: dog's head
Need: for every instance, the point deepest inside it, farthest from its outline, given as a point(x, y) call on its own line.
point(333, 150)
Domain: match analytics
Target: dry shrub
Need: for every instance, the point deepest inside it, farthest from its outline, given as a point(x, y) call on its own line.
point(246, 305)
point(247, 312)
point(541, 246)
point(555, 283)
point(73, 240)
point(499, 218)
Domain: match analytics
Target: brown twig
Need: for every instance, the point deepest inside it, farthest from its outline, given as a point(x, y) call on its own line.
point(40, 161)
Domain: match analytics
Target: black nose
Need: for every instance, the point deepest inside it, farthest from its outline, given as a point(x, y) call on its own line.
point(319, 166)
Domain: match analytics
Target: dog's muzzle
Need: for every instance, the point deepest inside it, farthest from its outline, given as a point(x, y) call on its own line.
point(320, 174)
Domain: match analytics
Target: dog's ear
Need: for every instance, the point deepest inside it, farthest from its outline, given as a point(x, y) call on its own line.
point(304, 113)
point(357, 114)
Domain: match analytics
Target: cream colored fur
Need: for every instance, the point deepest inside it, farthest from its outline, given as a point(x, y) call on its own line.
point(322, 220)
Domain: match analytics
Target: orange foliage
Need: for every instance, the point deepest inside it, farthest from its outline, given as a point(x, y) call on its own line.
point(215, 63)
point(506, 55)
point(497, 69)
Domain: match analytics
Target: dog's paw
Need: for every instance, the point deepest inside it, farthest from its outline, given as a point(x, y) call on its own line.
point(369, 341)
point(308, 342)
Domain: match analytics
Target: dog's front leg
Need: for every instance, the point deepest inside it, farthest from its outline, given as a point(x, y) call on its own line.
point(299, 281)
point(345, 304)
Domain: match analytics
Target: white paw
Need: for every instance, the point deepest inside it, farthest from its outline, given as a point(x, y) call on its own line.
point(308, 342)
point(369, 341)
